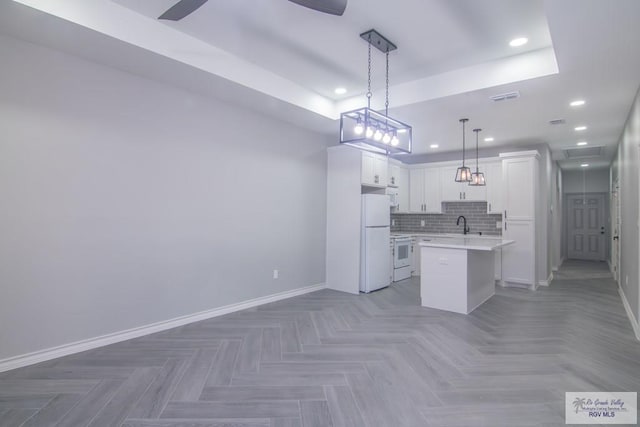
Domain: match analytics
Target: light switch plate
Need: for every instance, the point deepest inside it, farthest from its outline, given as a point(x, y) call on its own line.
point(498, 224)
point(422, 223)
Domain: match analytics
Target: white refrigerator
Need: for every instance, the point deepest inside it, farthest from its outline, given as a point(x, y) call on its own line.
point(375, 251)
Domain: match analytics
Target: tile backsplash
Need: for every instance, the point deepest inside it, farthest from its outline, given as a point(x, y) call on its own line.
point(478, 220)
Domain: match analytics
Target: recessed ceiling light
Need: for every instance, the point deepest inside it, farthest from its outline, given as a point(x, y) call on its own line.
point(488, 139)
point(434, 146)
point(584, 165)
point(520, 41)
point(340, 91)
point(582, 143)
point(579, 128)
point(577, 103)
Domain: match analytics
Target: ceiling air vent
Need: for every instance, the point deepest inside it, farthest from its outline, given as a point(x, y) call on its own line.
point(557, 122)
point(582, 153)
point(505, 96)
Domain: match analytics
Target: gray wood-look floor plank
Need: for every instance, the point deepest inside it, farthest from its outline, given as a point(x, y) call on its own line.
point(249, 354)
point(195, 376)
point(271, 345)
point(15, 417)
point(251, 393)
point(190, 422)
point(253, 409)
point(53, 411)
point(91, 404)
point(285, 422)
point(329, 358)
point(343, 408)
point(161, 389)
point(315, 413)
point(125, 398)
point(221, 370)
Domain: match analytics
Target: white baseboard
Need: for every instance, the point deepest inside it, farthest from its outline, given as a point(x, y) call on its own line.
point(546, 282)
point(91, 343)
point(632, 318)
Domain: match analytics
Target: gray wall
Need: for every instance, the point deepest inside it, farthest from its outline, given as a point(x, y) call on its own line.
point(586, 180)
point(127, 202)
point(625, 169)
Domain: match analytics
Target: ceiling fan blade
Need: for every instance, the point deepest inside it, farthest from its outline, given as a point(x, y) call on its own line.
point(333, 7)
point(181, 9)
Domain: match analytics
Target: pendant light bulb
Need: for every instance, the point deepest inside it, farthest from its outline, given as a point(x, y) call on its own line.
point(394, 140)
point(359, 127)
point(386, 138)
point(377, 135)
point(369, 132)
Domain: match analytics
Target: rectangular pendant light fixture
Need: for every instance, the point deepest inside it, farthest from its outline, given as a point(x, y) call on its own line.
point(373, 130)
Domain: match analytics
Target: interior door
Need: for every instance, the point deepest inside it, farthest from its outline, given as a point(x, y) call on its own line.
point(586, 227)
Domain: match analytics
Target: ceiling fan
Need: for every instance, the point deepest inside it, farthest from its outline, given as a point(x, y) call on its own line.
point(185, 7)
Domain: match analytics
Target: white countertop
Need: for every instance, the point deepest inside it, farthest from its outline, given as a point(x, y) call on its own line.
point(474, 243)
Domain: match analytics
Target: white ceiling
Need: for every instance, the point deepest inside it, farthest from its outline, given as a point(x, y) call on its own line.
point(452, 55)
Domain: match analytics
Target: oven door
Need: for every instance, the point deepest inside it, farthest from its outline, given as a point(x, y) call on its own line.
point(402, 253)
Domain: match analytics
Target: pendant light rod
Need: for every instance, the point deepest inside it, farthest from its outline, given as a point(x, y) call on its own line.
point(477, 131)
point(463, 174)
point(477, 178)
point(463, 121)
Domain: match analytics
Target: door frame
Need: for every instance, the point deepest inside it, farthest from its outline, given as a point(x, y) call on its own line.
point(606, 220)
point(615, 218)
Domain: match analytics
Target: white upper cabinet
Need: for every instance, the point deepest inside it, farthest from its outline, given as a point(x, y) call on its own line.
point(398, 186)
point(402, 179)
point(493, 177)
point(374, 170)
point(424, 194)
point(394, 175)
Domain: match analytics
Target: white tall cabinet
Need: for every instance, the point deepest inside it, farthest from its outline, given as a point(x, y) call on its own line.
point(519, 198)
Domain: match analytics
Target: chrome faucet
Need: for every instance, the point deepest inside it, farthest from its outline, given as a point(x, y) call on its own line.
point(464, 224)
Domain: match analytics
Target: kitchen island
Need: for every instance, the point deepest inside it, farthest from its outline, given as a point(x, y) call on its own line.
point(457, 273)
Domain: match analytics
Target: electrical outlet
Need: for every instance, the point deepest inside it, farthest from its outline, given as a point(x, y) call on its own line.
point(422, 223)
point(275, 274)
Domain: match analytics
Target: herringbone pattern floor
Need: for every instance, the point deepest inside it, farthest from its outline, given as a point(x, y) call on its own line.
point(331, 359)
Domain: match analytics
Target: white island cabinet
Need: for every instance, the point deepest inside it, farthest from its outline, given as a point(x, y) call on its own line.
point(461, 273)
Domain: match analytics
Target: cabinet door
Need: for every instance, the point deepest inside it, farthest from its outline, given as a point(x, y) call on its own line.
point(367, 169)
point(380, 170)
point(431, 184)
point(403, 189)
point(473, 193)
point(518, 179)
point(393, 177)
point(518, 259)
point(374, 170)
point(451, 190)
point(493, 177)
point(416, 190)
